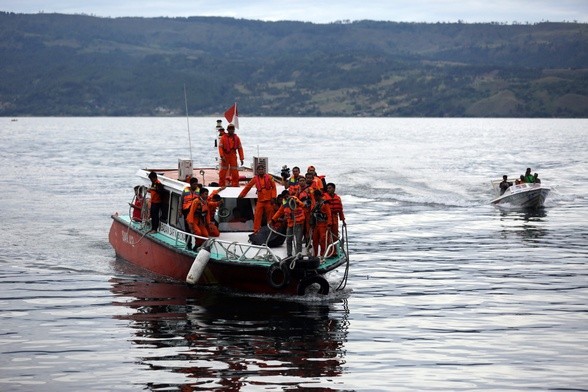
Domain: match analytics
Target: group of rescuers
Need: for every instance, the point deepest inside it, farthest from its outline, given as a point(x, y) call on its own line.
point(309, 208)
point(526, 178)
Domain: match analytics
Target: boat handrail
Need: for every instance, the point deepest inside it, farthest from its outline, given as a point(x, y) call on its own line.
point(262, 252)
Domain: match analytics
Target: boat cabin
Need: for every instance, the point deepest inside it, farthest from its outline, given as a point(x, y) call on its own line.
point(235, 215)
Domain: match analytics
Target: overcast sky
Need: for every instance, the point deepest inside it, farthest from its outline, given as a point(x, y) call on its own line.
point(318, 11)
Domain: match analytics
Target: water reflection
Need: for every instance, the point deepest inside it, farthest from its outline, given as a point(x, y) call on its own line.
point(221, 341)
point(529, 224)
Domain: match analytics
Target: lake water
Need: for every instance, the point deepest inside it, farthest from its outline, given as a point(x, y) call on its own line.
point(446, 292)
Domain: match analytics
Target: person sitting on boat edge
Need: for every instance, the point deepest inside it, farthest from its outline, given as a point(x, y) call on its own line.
point(228, 147)
point(266, 192)
point(156, 192)
point(505, 184)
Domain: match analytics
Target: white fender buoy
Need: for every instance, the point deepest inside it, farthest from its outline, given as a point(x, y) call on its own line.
point(198, 265)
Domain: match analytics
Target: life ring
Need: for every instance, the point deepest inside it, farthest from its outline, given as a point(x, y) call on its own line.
point(279, 275)
point(316, 279)
point(224, 212)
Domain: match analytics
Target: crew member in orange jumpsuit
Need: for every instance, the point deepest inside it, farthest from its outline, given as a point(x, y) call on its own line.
point(307, 188)
point(266, 192)
point(321, 220)
point(214, 201)
point(334, 202)
point(188, 195)
point(228, 147)
point(198, 216)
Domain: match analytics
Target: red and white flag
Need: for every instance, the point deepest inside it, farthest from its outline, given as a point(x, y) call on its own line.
point(232, 115)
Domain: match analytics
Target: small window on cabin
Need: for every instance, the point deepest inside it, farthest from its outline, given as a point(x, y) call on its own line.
point(174, 215)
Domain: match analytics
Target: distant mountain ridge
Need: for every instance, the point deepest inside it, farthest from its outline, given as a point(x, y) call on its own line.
point(70, 65)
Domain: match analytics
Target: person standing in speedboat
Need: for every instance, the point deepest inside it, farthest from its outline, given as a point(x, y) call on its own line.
point(505, 184)
point(528, 176)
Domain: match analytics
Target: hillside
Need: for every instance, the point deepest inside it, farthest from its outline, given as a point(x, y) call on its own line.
point(70, 65)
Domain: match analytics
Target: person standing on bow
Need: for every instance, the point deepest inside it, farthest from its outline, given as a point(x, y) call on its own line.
point(528, 176)
point(336, 206)
point(321, 220)
point(228, 147)
point(266, 192)
point(293, 210)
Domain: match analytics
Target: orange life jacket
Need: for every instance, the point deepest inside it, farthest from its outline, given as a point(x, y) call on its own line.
point(189, 196)
point(293, 216)
point(335, 204)
point(154, 191)
point(267, 182)
point(230, 144)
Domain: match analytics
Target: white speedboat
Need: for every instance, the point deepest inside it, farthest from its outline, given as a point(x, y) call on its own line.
point(524, 195)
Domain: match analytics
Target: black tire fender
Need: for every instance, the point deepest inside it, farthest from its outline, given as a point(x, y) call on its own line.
point(309, 281)
point(278, 275)
point(307, 263)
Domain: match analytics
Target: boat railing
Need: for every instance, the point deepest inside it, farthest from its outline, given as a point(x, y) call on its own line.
point(234, 251)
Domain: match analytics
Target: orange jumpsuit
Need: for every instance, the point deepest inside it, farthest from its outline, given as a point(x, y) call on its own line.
point(306, 196)
point(322, 220)
point(266, 192)
point(212, 207)
point(227, 149)
point(198, 219)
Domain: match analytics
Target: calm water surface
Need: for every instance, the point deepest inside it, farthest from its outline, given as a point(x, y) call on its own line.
point(446, 292)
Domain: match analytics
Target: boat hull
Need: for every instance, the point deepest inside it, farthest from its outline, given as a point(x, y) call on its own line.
point(533, 197)
point(173, 261)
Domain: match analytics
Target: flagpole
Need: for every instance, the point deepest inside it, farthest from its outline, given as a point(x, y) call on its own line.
point(188, 121)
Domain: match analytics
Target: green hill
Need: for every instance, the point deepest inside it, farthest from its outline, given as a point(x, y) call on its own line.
point(69, 65)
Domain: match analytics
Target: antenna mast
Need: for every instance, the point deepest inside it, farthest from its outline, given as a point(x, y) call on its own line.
point(188, 121)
